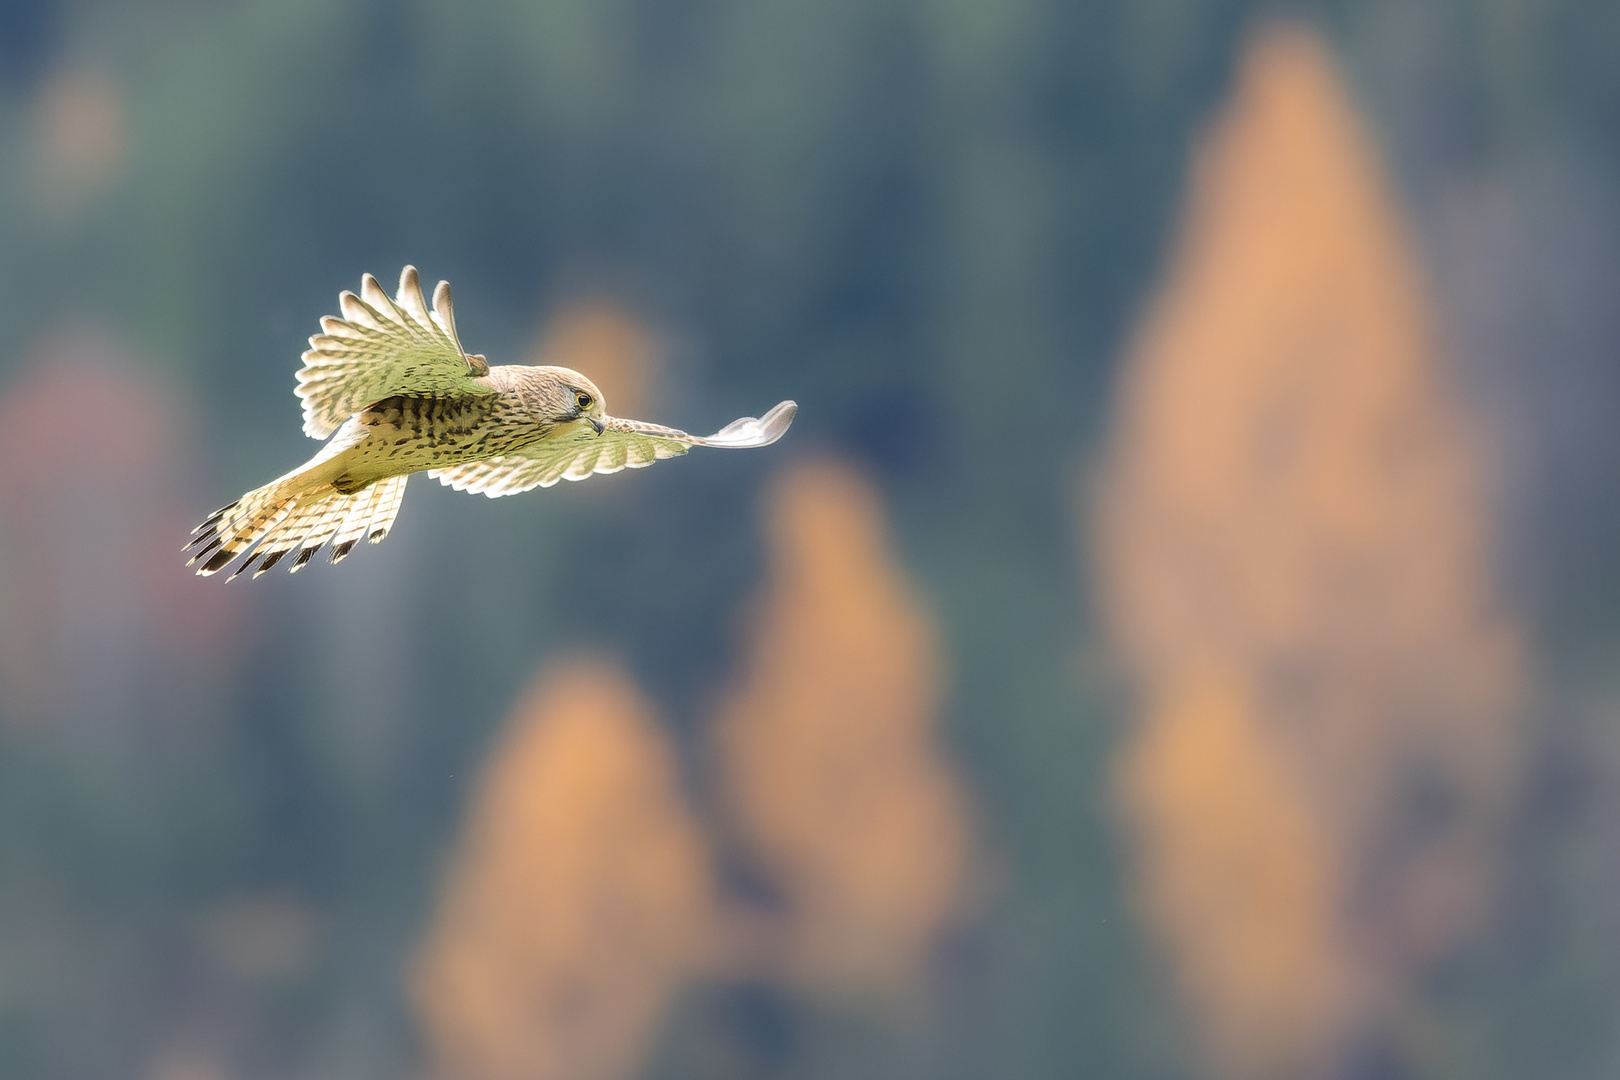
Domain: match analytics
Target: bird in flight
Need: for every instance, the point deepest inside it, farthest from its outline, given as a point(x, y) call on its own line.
point(392, 387)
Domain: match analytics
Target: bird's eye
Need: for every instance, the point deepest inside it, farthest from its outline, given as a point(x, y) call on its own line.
point(583, 400)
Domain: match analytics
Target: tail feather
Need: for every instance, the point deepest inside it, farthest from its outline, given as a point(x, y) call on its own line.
point(314, 527)
point(290, 514)
point(387, 509)
point(371, 509)
point(277, 538)
point(235, 528)
point(358, 520)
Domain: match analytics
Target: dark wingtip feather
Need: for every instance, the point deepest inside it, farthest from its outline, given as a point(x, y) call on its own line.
point(221, 558)
point(242, 568)
point(342, 549)
point(270, 560)
point(200, 552)
point(213, 518)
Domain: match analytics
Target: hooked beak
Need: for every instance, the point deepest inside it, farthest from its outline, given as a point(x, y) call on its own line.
point(595, 423)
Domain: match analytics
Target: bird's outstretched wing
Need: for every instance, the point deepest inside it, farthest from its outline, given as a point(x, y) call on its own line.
point(623, 444)
point(381, 348)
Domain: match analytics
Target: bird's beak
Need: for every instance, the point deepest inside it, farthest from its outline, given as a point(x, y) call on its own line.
point(595, 423)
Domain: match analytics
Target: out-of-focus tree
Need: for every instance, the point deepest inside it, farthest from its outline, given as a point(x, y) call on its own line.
point(928, 221)
point(1239, 880)
point(1295, 557)
point(830, 761)
point(578, 896)
point(90, 503)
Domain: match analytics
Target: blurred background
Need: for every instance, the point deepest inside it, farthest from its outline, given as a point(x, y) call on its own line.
point(1178, 638)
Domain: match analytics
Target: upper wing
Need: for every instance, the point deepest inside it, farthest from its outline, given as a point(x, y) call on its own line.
point(623, 444)
point(381, 348)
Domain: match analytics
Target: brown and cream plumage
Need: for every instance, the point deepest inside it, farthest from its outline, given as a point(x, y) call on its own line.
point(391, 386)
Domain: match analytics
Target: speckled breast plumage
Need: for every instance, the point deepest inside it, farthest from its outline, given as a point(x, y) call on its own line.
point(406, 434)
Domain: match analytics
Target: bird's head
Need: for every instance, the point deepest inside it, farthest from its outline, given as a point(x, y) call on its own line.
point(573, 400)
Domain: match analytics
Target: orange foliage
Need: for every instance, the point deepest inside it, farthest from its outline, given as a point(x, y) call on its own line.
point(1241, 883)
point(610, 346)
point(1294, 559)
point(828, 752)
point(579, 896)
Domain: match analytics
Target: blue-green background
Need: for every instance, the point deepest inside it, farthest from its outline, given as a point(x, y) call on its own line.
point(931, 222)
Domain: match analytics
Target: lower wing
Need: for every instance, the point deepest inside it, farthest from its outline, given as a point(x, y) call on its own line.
point(623, 444)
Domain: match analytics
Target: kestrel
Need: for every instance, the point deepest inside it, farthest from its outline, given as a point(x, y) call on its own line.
point(392, 387)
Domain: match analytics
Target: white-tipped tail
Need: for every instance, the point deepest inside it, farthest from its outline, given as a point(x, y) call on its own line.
point(299, 512)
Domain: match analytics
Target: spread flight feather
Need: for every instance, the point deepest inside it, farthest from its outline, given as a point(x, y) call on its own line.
point(391, 387)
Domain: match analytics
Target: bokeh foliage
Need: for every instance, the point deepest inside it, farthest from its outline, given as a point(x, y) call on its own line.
point(933, 223)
